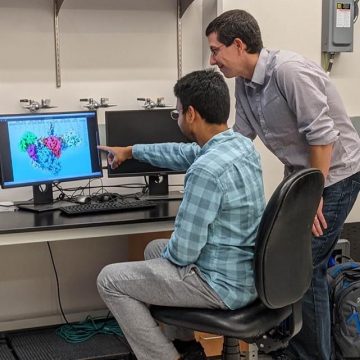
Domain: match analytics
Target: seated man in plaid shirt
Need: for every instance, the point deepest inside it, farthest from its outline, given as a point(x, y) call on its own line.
point(207, 263)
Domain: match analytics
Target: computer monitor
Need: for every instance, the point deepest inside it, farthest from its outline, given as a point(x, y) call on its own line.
point(40, 149)
point(131, 127)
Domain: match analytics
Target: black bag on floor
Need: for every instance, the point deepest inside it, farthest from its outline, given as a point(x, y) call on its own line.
point(344, 291)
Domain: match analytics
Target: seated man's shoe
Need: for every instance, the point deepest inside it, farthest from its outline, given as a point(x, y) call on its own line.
point(280, 355)
point(190, 350)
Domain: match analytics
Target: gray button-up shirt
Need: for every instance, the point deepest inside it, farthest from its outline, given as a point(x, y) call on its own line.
point(290, 103)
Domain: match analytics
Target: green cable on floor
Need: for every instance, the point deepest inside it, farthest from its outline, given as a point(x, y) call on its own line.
point(80, 332)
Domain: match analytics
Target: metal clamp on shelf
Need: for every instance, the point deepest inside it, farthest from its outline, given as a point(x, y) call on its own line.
point(94, 105)
point(34, 106)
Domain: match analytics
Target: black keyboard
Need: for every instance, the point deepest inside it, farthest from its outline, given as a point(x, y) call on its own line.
point(110, 206)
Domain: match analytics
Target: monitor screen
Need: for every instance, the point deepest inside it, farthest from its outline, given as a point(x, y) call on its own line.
point(131, 127)
point(48, 147)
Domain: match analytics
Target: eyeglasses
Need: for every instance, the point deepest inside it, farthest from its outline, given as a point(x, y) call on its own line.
point(215, 50)
point(174, 115)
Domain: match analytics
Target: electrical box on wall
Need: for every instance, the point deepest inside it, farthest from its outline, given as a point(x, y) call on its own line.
point(337, 25)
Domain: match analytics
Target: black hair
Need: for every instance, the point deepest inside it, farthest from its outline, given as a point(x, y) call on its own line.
point(234, 24)
point(207, 92)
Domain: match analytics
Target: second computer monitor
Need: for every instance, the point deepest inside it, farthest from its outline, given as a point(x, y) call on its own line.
point(129, 127)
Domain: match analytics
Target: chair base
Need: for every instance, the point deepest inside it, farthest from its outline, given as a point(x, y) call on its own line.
point(231, 350)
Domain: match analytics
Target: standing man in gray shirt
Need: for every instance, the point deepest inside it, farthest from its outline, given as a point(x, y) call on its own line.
point(291, 104)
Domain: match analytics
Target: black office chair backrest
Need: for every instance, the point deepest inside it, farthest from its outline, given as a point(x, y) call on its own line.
point(283, 259)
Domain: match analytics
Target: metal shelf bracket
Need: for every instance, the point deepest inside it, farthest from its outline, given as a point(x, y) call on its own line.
point(182, 5)
point(57, 6)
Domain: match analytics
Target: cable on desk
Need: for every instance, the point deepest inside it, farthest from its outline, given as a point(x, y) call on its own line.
point(102, 189)
point(7, 206)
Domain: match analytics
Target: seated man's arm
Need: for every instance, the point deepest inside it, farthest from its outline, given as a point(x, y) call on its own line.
point(175, 156)
point(197, 213)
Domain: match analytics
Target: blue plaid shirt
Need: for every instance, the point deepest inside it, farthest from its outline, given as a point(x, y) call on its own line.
point(217, 221)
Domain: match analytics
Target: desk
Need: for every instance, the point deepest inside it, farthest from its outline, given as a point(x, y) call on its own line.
point(23, 227)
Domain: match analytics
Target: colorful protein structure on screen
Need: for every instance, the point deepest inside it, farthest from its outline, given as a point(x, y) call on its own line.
point(45, 152)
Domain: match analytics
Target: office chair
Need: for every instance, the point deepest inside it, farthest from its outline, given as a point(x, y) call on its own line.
point(283, 271)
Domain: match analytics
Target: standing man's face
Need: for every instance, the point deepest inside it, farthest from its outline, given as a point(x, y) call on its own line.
point(227, 58)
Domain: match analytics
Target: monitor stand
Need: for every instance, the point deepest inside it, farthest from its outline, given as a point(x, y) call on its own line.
point(159, 189)
point(42, 200)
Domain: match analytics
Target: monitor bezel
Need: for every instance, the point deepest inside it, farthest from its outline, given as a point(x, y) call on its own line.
point(78, 178)
point(159, 172)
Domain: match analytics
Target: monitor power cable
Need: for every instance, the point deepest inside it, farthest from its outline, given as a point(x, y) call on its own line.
point(57, 283)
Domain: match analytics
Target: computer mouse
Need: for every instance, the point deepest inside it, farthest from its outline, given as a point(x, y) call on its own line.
point(107, 197)
point(83, 199)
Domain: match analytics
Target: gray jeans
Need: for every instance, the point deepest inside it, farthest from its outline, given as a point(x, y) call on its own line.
point(128, 289)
